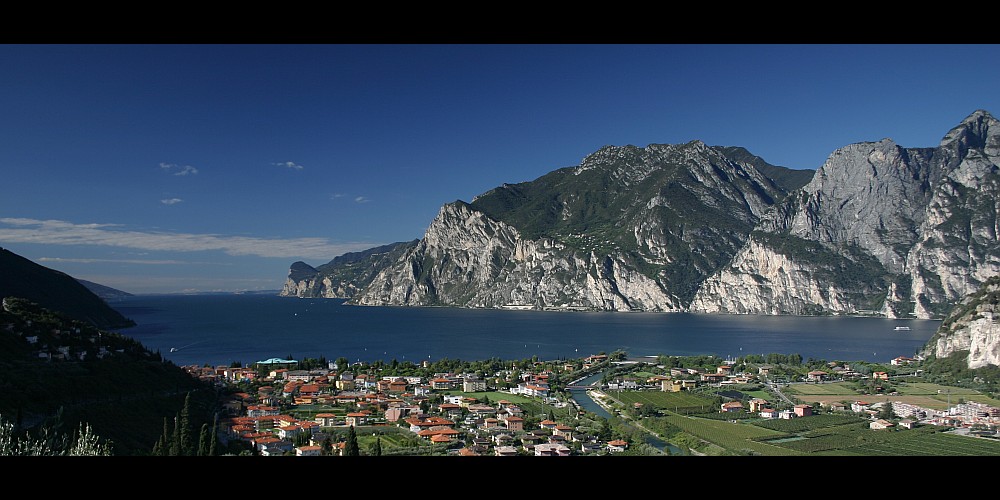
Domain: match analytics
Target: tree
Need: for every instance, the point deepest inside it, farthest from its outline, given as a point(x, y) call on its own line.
point(175, 441)
point(215, 437)
point(352, 450)
point(375, 449)
point(187, 443)
point(203, 441)
point(887, 412)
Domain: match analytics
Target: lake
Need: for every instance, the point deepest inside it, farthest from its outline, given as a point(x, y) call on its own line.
point(226, 328)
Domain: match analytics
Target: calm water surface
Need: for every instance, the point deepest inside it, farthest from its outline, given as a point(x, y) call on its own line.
point(221, 329)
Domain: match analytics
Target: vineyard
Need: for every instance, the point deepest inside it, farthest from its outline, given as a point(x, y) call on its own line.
point(814, 422)
point(733, 437)
point(677, 402)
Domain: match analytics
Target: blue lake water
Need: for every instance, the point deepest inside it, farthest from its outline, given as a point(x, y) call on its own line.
point(225, 328)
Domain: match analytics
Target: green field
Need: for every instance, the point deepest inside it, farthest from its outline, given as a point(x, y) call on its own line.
point(806, 424)
point(826, 389)
point(677, 402)
point(737, 438)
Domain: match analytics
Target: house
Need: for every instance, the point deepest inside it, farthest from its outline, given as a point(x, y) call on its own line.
point(473, 385)
point(732, 406)
point(757, 404)
point(724, 370)
point(308, 451)
point(563, 430)
point(802, 410)
point(345, 382)
point(712, 378)
point(677, 385)
point(816, 375)
point(505, 451)
point(860, 406)
point(450, 409)
point(422, 422)
point(900, 360)
point(768, 413)
point(356, 418)
point(440, 383)
point(398, 385)
point(880, 424)
point(764, 370)
point(835, 406)
point(786, 414)
point(551, 450)
point(617, 445)
point(880, 375)
point(289, 431)
point(907, 423)
point(514, 423)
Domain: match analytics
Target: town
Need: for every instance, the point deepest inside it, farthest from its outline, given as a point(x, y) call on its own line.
point(277, 407)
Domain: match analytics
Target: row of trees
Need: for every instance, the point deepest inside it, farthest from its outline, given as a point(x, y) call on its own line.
point(179, 439)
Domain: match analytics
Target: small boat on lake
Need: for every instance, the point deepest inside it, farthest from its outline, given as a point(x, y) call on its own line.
point(902, 328)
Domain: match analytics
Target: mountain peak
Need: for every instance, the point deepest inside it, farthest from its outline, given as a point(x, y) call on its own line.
point(979, 130)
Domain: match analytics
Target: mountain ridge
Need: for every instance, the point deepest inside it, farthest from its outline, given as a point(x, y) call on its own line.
point(55, 290)
point(692, 227)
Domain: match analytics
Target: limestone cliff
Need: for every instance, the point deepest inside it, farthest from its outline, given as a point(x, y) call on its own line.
point(971, 326)
point(880, 229)
point(628, 229)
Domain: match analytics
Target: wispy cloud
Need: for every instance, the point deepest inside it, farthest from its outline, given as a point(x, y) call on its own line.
point(126, 261)
point(171, 201)
point(289, 164)
point(178, 169)
point(361, 199)
point(57, 232)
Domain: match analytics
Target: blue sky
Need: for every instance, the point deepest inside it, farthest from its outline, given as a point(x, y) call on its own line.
point(173, 168)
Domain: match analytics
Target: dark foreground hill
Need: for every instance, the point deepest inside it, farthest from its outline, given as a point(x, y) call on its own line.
point(53, 368)
point(55, 290)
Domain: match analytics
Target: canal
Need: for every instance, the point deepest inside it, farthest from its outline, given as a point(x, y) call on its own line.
point(587, 403)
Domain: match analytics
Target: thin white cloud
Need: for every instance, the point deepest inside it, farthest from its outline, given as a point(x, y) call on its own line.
point(178, 169)
point(57, 232)
point(334, 196)
point(171, 201)
point(125, 261)
point(361, 199)
point(289, 164)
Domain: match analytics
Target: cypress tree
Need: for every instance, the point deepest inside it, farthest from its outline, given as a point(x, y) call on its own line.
point(215, 437)
point(203, 441)
point(186, 429)
point(352, 449)
point(175, 443)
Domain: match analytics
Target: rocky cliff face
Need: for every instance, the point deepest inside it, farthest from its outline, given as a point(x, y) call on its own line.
point(880, 229)
point(628, 229)
point(972, 328)
point(342, 277)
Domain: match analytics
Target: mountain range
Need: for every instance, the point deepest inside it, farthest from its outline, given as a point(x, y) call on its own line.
point(879, 229)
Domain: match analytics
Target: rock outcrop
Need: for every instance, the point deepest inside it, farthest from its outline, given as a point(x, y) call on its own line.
point(880, 229)
point(972, 326)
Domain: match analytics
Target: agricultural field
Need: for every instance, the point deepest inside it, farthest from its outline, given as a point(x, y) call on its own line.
point(806, 424)
point(923, 394)
point(824, 389)
point(677, 402)
point(737, 438)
